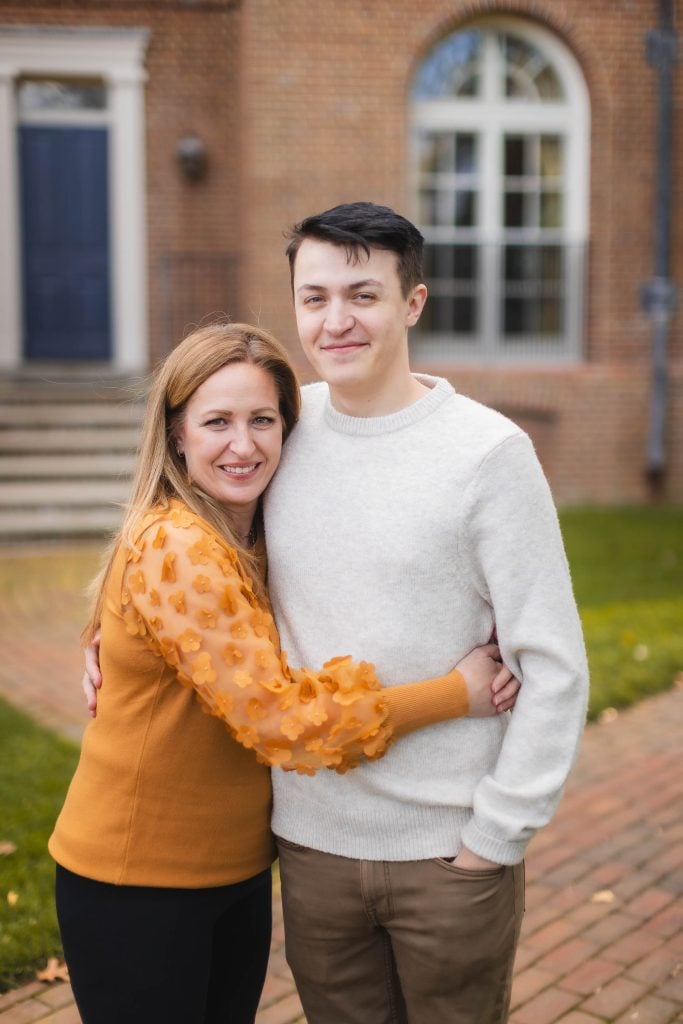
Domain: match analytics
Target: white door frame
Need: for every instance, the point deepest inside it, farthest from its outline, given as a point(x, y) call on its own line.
point(116, 55)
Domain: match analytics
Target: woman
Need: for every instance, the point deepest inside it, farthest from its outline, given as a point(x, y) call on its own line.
point(163, 845)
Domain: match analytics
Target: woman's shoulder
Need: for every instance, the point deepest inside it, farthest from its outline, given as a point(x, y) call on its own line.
point(176, 526)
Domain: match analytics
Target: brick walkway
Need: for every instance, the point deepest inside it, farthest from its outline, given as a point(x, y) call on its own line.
point(603, 933)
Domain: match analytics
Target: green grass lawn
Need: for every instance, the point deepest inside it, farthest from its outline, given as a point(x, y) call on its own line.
point(627, 567)
point(35, 769)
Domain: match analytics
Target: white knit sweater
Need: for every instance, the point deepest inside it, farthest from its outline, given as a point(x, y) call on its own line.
point(401, 539)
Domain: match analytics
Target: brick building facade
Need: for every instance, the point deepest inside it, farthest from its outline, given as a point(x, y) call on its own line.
point(300, 108)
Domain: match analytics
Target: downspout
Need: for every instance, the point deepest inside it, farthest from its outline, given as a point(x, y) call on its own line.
point(659, 294)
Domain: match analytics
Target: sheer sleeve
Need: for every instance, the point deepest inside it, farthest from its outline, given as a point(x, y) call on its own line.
point(185, 594)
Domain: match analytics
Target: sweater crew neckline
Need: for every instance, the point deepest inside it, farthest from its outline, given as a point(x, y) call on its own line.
point(369, 426)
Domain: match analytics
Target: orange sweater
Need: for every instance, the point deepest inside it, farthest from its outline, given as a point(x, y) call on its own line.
point(162, 795)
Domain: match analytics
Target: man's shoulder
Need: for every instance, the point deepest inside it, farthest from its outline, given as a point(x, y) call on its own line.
point(313, 396)
point(478, 425)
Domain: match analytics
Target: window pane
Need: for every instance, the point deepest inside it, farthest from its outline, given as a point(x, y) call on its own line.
point(526, 72)
point(549, 85)
point(451, 69)
point(465, 209)
point(533, 290)
point(516, 212)
point(429, 202)
point(514, 156)
point(465, 262)
point(551, 210)
point(466, 154)
point(551, 156)
point(44, 94)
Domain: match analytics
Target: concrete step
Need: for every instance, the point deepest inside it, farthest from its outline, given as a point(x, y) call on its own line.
point(39, 414)
point(71, 493)
point(91, 439)
point(67, 451)
point(27, 524)
point(89, 465)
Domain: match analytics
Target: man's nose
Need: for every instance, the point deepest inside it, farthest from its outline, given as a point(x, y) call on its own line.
point(338, 319)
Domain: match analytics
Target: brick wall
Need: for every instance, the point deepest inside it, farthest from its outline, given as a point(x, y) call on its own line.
point(325, 121)
point(305, 105)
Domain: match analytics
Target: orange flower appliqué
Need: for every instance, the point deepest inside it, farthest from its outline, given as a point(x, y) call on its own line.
point(231, 654)
point(203, 670)
point(202, 584)
point(206, 618)
point(189, 641)
point(177, 599)
point(160, 538)
point(168, 568)
point(200, 552)
point(136, 582)
point(134, 623)
point(169, 651)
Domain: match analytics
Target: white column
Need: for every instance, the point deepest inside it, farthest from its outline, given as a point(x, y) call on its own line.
point(128, 218)
point(10, 280)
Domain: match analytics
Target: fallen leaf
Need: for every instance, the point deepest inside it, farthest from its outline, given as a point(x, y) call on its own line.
point(7, 846)
point(56, 970)
point(603, 896)
point(12, 898)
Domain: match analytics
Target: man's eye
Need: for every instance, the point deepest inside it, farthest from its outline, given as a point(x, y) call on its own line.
point(312, 300)
point(365, 296)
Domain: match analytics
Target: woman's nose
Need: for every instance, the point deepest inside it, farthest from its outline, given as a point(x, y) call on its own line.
point(242, 442)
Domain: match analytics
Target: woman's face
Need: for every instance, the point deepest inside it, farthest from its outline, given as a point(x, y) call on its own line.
point(231, 435)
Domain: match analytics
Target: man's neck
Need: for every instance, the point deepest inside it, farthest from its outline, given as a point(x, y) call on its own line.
point(354, 402)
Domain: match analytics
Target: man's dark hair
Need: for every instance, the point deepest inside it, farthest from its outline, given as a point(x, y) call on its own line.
point(360, 227)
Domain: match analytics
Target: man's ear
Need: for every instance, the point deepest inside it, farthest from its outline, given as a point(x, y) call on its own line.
point(416, 301)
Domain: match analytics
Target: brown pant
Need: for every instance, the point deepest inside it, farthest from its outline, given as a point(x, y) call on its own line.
point(387, 942)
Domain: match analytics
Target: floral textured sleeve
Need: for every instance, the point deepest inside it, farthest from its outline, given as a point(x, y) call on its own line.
point(185, 594)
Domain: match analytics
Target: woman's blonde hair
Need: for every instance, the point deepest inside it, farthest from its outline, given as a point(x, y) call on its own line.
point(160, 473)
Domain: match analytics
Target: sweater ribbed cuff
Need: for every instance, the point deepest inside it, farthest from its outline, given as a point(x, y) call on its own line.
point(414, 705)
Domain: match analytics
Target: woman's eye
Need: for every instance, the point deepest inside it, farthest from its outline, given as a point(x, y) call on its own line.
point(217, 421)
point(264, 421)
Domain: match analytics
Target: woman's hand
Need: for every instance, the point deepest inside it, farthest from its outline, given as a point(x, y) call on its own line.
point(491, 686)
point(92, 677)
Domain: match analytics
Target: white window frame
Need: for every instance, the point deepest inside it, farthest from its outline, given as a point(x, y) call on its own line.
point(115, 55)
point(490, 119)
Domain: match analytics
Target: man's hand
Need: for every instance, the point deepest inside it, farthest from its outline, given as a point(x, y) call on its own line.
point(92, 677)
point(491, 687)
point(473, 862)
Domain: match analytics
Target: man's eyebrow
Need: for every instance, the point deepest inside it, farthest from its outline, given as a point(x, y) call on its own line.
point(367, 282)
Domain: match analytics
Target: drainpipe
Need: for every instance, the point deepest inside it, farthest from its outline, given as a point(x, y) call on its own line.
point(659, 295)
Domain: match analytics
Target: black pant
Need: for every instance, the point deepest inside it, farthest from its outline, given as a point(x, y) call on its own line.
point(139, 955)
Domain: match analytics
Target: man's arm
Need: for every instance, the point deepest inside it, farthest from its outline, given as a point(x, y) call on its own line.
point(514, 546)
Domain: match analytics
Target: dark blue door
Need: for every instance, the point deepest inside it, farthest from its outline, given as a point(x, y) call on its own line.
point(65, 235)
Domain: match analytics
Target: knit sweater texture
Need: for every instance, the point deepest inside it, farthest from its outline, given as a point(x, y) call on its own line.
point(406, 538)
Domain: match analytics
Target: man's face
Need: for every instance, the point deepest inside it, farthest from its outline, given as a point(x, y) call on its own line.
point(352, 317)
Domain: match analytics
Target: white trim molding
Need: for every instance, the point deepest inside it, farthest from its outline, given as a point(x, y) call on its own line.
point(115, 55)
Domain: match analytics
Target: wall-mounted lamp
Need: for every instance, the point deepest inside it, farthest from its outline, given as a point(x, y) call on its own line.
point(191, 154)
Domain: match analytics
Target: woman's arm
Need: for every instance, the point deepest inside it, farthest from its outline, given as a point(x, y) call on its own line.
point(186, 596)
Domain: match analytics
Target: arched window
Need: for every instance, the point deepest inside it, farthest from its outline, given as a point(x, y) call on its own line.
point(500, 121)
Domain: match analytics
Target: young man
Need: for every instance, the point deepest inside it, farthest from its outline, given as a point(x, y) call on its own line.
point(406, 522)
